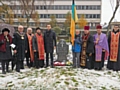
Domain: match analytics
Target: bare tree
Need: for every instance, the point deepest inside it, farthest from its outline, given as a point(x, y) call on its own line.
point(27, 9)
point(7, 12)
point(116, 8)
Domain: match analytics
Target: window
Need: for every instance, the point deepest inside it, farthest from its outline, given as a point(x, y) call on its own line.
point(98, 15)
point(90, 7)
point(37, 7)
point(98, 7)
point(87, 7)
point(94, 16)
point(56, 7)
point(79, 7)
point(45, 7)
point(93, 7)
point(83, 7)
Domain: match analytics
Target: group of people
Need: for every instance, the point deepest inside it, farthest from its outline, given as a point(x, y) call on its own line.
point(29, 45)
point(90, 51)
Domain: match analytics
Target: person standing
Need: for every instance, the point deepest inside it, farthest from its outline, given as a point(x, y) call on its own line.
point(87, 50)
point(50, 44)
point(5, 49)
point(76, 49)
point(114, 47)
point(19, 40)
point(101, 48)
point(29, 54)
point(38, 47)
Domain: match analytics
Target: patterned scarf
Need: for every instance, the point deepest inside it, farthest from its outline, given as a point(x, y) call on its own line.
point(114, 46)
point(30, 46)
point(83, 53)
point(40, 44)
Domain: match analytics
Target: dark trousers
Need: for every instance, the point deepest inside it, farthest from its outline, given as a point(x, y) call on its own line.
point(47, 59)
point(36, 61)
point(28, 61)
point(89, 61)
point(100, 65)
point(5, 65)
point(18, 65)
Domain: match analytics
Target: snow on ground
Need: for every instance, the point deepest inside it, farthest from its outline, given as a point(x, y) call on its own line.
point(61, 78)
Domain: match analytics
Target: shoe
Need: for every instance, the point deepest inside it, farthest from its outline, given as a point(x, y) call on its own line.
point(17, 70)
point(45, 66)
point(7, 71)
point(3, 72)
point(22, 68)
point(52, 66)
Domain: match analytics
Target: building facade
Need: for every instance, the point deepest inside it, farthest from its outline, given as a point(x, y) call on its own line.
point(59, 8)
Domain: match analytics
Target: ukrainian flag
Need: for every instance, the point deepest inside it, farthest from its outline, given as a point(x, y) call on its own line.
point(74, 19)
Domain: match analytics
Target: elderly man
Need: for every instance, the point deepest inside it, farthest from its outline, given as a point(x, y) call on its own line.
point(76, 49)
point(19, 41)
point(29, 54)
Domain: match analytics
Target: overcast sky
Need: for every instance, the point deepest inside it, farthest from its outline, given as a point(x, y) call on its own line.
point(107, 11)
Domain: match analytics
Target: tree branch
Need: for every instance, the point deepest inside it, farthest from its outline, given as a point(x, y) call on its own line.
point(116, 8)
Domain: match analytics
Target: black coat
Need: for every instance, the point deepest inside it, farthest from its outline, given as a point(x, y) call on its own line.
point(27, 46)
point(34, 43)
point(49, 41)
point(89, 63)
point(90, 45)
point(20, 46)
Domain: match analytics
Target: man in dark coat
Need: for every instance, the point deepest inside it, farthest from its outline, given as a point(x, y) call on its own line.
point(50, 44)
point(87, 53)
point(19, 40)
point(5, 49)
point(114, 48)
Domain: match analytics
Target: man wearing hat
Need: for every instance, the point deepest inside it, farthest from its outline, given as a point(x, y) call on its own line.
point(101, 48)
point(20, 49)
point(5, 49)
point(87, 49)
point(114, 47)
point(38, 47)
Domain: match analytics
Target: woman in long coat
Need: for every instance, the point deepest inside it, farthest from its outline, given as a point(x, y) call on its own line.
point(5, 49)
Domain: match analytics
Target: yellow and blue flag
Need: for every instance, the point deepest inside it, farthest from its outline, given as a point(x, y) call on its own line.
point(74, 19)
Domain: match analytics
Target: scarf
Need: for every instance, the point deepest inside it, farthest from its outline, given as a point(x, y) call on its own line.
point(114, 46)
point(30, 46)
point(40, 44)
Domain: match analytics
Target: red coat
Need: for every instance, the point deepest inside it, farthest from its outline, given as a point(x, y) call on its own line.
point(3, 46)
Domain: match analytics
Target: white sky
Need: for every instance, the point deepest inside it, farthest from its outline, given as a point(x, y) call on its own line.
point(107, 11)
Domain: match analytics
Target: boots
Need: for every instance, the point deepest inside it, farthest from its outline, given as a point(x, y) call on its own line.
point(3, 67)
point(21, 64)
